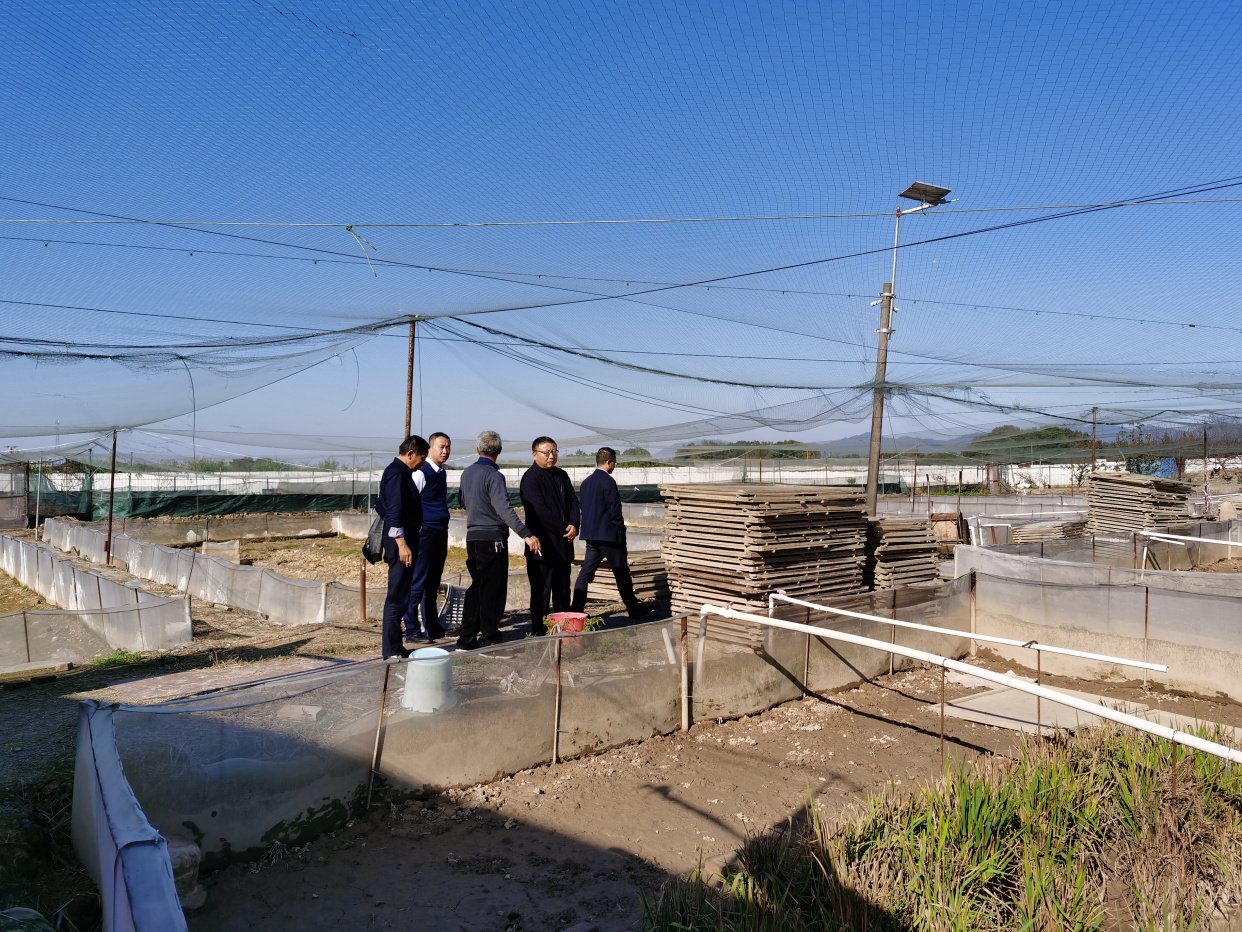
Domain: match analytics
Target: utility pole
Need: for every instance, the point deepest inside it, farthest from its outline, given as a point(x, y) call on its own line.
point(111, 495)
point(877, 401)
point(1092, 469)
point(409, 384)
point(928, 195)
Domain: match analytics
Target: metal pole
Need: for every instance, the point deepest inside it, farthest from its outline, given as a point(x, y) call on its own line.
point(1146, 606)
point(959, 491)
point(1039, 675)
point(892, 638)
point(362, 588)
point(685, 675)
point(370, 473)
point(378, 725)
point(914, 483)
point(1092, 469)
point(881, 373)
point(973, 598)
point(111, 495)
point(556, 713)
point(806, 659)
point(409, 384)
point(38, 498)
point(942, 754)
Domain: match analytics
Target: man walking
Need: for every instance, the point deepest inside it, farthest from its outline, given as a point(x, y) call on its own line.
point(488, 519)
point(603, 529)
point(553, 515)
point(401, 509)
point(432, 484)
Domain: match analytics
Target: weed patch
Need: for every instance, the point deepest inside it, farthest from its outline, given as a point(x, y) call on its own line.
point(1077, 832)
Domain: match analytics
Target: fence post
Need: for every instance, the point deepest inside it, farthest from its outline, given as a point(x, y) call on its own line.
point(379, 724)
point(892, 632)
point(26, 635)
point(973, 625)
point(1146, 605)
point(685, 674)
point(556, 712)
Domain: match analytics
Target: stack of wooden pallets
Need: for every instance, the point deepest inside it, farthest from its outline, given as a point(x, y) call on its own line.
point(901, 550)
point(1125, 502)
point(737, 543)
point(1047, 530)
point(649, 576)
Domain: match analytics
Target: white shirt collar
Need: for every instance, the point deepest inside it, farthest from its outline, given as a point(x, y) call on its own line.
point(434, 466)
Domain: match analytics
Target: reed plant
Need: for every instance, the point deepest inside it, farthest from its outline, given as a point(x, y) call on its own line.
point(1104, 829)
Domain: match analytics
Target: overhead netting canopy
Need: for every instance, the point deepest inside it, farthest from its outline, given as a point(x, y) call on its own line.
point(643, 225)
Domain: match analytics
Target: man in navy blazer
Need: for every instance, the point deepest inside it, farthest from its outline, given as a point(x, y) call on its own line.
point(401, 508)
point(603, 529)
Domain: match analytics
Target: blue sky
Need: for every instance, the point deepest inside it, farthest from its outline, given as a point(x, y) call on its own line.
point(373, 113)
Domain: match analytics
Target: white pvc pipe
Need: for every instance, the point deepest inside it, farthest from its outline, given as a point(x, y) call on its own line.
point(1171, 538)
point(1053, 695)
point(1011, 642)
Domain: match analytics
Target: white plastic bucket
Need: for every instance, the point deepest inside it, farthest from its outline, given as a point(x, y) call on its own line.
point(429, 681)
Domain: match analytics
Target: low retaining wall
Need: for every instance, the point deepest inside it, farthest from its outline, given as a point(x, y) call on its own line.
point(288, 759)
point(98, 613)
point(1199, 636)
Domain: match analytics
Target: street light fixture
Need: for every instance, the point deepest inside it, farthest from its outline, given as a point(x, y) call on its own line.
point(928, 195)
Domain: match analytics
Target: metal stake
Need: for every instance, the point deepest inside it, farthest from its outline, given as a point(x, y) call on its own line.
point(111, 495)
point(685, 675)
point(892, 632)
point(1146, 606)
point(362, 588)
point(556, 715)
point(378, 725)
point(943, 758)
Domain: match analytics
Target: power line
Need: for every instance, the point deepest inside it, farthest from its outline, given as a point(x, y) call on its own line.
point(597, 222)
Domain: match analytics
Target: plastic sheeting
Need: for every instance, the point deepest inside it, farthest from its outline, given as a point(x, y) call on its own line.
point(281, 599)
point(1199, 636)
point(99, 614)
point(286, 759)
point(125, 856)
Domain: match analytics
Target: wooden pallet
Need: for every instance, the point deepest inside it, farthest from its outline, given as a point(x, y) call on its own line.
point(901, 550)
point(1121, 502)
point(734, 544)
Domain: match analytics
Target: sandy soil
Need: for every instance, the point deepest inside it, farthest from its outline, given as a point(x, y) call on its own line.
point(581, 839)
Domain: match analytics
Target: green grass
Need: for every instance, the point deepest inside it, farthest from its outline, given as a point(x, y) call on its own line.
point(1074, 833)
point(117, 658)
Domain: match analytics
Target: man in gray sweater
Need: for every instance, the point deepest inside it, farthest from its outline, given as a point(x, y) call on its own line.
point(488, 519)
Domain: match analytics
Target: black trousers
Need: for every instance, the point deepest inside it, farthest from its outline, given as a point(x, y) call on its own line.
point(487, 562)
point(425, 582)
point(549, 581)
point(615, 554)
point(396, 601)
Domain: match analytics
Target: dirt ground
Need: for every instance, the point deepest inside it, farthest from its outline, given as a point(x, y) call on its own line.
point(1222, 566)
point(583, 839)
point(334, 559)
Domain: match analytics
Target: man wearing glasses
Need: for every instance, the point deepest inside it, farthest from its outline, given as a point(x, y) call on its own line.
point(553, 515)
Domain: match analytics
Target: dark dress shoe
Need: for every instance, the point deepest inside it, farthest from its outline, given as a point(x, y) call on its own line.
point(641, 611)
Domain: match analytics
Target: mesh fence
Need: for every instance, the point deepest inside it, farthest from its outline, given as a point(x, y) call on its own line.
point(283, 760)
point(203, 576)
point(99, 615)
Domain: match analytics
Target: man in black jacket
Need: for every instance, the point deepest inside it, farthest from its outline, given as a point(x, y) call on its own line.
point(401, 508)
point(553, 515)
point(603, 529)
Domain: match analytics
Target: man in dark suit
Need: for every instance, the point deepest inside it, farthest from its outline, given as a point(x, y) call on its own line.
point(401, 508)
point(603, 529)
point(553, 515)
